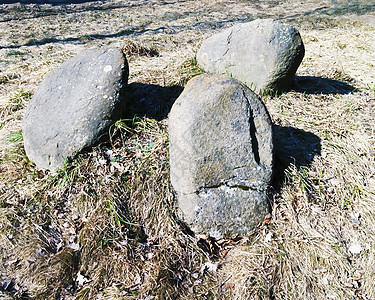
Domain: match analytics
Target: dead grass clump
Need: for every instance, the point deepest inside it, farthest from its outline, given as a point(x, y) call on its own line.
point(187, 70)
point(30, 257)
point(8, 77)
point(14, 164)
point(133, 49)
point(9, 109)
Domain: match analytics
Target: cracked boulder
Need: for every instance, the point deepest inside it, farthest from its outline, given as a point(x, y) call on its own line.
point(264, 54)
point(74, 106)
point(220, 156)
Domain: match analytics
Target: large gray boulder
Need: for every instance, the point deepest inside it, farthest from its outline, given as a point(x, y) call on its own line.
point(74, 106)
point(220, 155)
point(264, 54)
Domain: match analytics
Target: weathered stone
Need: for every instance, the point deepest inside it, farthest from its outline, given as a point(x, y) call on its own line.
point(74, 106)
point(264, 54)
point(220, 155)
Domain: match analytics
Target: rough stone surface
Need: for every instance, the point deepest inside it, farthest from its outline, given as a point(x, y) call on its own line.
point(264, 54)
point(220, 155)
point(74, 106)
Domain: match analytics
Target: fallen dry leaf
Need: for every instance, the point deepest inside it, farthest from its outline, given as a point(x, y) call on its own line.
point(355, 248)
point(81, 279)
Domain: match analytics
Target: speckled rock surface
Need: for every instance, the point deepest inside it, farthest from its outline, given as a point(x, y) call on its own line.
point(264, 54)
point(74, 106)
point(221, 155)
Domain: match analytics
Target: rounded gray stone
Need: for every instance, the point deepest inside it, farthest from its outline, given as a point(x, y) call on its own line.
point(220, 155)
point(74, 106)
point(264, 54)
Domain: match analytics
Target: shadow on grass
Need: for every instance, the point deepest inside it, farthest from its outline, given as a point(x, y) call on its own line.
point(320, 85)
point(19, 14)
point(82, 39)
point(63, 7)
point(58, 8)
point(292, 146)
point(139, 30)
point(150, 100)
point(338, 8)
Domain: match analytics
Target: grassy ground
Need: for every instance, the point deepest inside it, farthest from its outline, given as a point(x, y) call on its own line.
point(105, 225)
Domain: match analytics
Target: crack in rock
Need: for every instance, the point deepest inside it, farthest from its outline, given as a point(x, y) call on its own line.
point(253, 130)
point(255, 187)
point(229, 38)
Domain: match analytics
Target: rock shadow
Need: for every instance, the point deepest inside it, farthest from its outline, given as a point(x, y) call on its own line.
point(150, 100)
point(320, 85)
point(292, 146)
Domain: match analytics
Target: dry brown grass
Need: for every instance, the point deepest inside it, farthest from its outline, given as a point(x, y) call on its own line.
point(105, 225)
point(108, 217)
